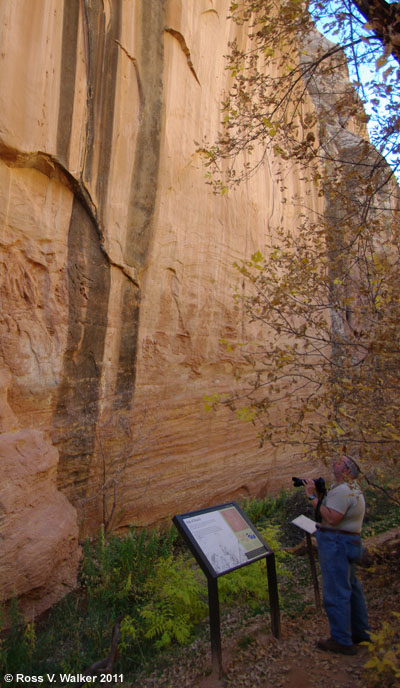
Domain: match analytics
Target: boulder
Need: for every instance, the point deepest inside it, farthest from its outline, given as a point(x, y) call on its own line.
point(38, 526)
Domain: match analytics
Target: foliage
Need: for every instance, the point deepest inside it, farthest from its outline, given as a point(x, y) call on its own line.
point(145, 581)
point(153, 587)
point(18, 646)
point(322, 371)
point(249, 584)
point(278, 512)
point(115, 582)
point(383, 665)
point(136, 579)
point(115, 570)
point(269, 509)
point(175, 602)
point(381, 514)
point(332, 359)
point(266, 109)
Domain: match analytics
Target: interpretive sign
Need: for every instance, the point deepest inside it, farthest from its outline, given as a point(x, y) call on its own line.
point(305, 523)
point(222, 539)
point(309, 527)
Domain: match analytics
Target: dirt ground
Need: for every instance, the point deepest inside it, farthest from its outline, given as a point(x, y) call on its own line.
point(253, 658)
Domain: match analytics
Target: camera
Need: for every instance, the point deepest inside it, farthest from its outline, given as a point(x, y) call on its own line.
point(319, 484)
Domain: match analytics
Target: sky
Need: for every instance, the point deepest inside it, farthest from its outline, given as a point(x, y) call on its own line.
point(377, 80)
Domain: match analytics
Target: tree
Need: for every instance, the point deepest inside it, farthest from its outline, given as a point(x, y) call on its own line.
point(271, 80)
point(384, 19)
point(324, 377)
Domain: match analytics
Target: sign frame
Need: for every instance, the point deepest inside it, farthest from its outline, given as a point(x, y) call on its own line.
point(212, 575)
point(198, 551)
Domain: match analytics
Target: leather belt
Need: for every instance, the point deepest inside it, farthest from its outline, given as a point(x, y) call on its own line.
point(336, 530)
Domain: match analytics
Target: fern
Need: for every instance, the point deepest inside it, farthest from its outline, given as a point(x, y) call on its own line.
point(175, 602)
point(250, 584)
point(115, 570)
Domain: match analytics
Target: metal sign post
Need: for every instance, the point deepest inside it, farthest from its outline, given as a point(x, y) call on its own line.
point(314, 576)
point(308, 526)
point(222, 539)
point(215, 627)
point(273, 596)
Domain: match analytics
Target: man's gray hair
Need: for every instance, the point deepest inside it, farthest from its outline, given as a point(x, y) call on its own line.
point(351, 466)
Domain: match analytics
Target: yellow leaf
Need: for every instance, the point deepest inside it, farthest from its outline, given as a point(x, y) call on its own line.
point(381, 61)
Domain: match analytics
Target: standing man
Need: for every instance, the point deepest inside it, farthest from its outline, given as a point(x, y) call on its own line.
point(339, 548)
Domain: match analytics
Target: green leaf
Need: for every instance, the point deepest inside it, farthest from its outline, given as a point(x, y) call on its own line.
point(257, 257)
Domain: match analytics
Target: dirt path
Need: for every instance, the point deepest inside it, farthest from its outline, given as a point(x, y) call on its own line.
point(292, 662)
point(253, 658)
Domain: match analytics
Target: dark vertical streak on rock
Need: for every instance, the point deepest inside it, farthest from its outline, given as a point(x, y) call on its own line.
point(77, 413)
point(105, 101)
point(102, 70)
point(68, 73)
point(128, 347)
point(142, 202)
point(77, 408)
point(94, 37)
point(147, 157)
point(88, 268)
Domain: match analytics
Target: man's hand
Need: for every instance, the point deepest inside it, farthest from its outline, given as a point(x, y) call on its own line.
point(309, 486)
point(329, 515)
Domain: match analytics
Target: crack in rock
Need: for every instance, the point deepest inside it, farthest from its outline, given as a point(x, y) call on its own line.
point(185, 49)
point(138, 79)
point(48, 165)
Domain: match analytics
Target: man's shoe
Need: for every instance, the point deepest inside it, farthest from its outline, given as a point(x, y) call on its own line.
point(330, 645)
point(357, 639)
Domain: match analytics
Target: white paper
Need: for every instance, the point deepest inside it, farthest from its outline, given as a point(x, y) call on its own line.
point(305, 523)
point(224, 537)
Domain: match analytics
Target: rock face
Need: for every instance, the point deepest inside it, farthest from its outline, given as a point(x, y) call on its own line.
point(38, 525)
point(117, 273)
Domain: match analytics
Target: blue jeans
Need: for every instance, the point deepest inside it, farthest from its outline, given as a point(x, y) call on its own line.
point(342, 593)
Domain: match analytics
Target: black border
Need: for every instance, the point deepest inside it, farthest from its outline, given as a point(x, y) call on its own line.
point(202, 560)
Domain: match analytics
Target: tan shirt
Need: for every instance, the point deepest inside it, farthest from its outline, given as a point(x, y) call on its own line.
point(347, 499)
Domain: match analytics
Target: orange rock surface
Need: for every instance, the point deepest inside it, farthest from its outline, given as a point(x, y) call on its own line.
point(117, 277)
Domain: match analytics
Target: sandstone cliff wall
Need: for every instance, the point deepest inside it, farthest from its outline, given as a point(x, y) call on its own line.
point(117, 259)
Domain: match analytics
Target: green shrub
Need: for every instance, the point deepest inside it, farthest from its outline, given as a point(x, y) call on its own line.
point(261, 510)
point(249, 583)
point(381, 513)
point(280, 511)
point(115, 570)
point(174, 605)
point(17, 645)
point(383, 666)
